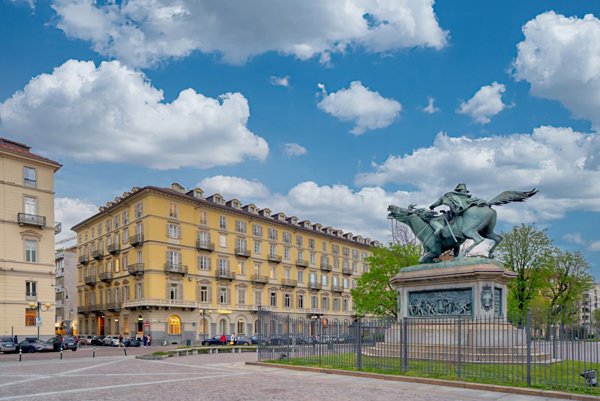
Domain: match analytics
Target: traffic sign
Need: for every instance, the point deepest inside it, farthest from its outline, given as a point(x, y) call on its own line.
point(38, 321)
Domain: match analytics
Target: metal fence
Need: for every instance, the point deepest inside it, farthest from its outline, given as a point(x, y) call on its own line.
point(558, 351)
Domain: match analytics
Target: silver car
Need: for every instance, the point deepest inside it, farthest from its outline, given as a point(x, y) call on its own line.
point(7, 345)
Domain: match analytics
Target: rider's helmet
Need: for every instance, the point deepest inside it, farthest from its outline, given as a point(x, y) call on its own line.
point(461, 188)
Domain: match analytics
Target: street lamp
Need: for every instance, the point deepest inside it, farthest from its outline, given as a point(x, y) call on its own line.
point(40, 307)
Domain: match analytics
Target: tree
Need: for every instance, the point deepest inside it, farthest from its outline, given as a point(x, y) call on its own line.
point(374, 295)
point(566, 279)
point(527, 251)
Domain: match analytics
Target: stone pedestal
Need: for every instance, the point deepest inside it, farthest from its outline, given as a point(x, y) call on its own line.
point(467, 287)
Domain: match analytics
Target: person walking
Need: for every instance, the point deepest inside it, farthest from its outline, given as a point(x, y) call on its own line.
point(149, 340)
point(144, 341)
point(233, 339)
point(222, 339)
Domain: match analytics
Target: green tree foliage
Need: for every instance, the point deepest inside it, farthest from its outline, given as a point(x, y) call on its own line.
point(374, 295)
point(527, 251)
point(566, 279)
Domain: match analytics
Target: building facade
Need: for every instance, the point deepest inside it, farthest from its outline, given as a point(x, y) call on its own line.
point(182, 267)
point(66, 291)
point(27, 245)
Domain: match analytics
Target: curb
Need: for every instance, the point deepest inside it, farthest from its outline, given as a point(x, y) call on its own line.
point(437, 382)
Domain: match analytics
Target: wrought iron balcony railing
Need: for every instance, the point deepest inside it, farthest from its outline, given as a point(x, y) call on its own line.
point(31, 220)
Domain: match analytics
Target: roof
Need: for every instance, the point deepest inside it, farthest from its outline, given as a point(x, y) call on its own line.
point(24, 150)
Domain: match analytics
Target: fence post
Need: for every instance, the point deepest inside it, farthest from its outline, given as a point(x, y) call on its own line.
point(358, 343)
point(528, 339)
point(459, 340)
point(405, 344)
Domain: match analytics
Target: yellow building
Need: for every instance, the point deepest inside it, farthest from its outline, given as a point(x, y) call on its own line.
point(182, 267)
point(27, 241)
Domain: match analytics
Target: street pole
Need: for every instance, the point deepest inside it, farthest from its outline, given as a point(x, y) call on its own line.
point(37, 321)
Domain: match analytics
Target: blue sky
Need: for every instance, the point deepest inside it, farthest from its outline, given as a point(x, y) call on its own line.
point(327, 111)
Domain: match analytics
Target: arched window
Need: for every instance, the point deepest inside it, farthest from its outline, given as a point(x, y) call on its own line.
point(203, 326)
point(223, 326)
point(256, 326)
point(241, 326)
point(174, 325)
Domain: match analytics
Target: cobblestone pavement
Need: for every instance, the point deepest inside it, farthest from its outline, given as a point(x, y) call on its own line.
point(206, 377)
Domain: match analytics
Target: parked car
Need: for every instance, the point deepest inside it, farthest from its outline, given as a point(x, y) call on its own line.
point(243, 340)
point(85, 340)
point(260, 340)
point(34, 345)
point(7, 345)
point(64, 342)
point(216, 340)
point(97, 340)
point(111, 341)
point(131, 342)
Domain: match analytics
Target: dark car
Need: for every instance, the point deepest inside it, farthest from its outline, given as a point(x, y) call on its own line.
point(216, 340)
point(131, 342)
point(260, 340)
point(97, 340)
point(34, 345)
point(243, 340)
point(7, 345)
point(63, 342)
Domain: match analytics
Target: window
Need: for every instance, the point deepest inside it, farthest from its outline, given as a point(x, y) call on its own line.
point(173, 231)
point(125, 217)
point(345, 251)
point(257, 246)
point(335, 248)
point(273, 272)
point(345, 304)
point(324, 280)
point(241, 268)
point(223, 241)
point(139, 210)
point(311, 244)
point(286, 253)
point(139, 293)
point(30, 315)
point(325, 303)
point(240, 244)
point(345, 282)
point(286, 273)
point(30, 205)
point(31, 250)
point(99, 229)
point(272, 249)
point(336, 304)
point(241, 296)
point(116, 222)
point(299, 241)
point(240, 226)
point(300, 276)
point(287, 300)
point(312, 277)
point(173, 211)
point(173, 291)
point(204, 294)
point(29, 177)
point(174, 325)
point(257, 230)
point(300, 298)
point(117, 265)
point(203, 218)
point(313, 257)
point(203, 262)
point(203, 237)
point(287, 238)
point(314, 302)
point(324, 246)
point(108, 225)
point(273, 234)
point(273, 299)
point(173, 257)
point(241, 327)
point(257, 297)
point(222, 222)
point(125, 236)
point(31, 289)
point(223, 265)
point(223, 295)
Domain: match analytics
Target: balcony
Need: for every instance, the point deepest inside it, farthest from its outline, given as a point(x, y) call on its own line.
point(225, 274)
point(113, 248)
point(84, 309)
point(171, 267)
point(301, 263)
point(337, 288)
point(325, 266)
point(25, 219)
point(136, 269)
point(274, 258)
point(245, 253)
point(205, 246)
point(137, 239)
point(258, 279)
point(314, 286)
point(97, 255)
point(84, 259)
point(113, 306)
point(105, 276)
point(286, 282)
point(90, 280)
point(165, 303)
point(347, 271)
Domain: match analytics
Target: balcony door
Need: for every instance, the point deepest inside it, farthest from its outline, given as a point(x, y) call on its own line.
point(30, 205)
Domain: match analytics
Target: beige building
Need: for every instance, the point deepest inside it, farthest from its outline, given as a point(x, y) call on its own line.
point(181, 266)
point(27, 241)
point(66, 290)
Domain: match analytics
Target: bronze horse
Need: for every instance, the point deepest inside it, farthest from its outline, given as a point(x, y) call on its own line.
point(476, 223)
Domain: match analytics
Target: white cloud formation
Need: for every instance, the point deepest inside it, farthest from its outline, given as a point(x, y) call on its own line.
point(70, 211)
point(486, 103)
point(280, 81)
point(560, 59)
point(574, 238)
point(594, 246)
point(113, 114)
point(293, 149)
point(430, 108)
point(554, 160)
point(234, 187)
point(144, 32)
point(365, 108)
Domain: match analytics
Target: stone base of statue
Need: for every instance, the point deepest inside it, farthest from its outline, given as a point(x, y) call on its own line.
point(455, 310)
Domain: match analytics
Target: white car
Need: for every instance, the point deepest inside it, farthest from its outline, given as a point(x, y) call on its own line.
point(112, 341)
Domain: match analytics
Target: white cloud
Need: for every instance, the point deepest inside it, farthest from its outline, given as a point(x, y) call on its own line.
point(430, 108)
point(574, 238)
point(293, 149)
point(554, 160)
point(365, 108)
point(486, 103)
point(113, 114)
point(560, 59)
point(280, 81)
point(234, 187)
point(594, 246)
point(144, 32)
point(70, 211)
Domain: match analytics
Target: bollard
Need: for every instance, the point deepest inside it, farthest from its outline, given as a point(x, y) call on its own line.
point(125, 350)
point(61, 354)
point(94, 352)
point(20, 354)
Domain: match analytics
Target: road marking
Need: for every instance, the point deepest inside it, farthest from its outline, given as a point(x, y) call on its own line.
point(116, 386)
point(87, 367)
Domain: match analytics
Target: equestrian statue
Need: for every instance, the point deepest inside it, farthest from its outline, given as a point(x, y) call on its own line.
point(468, 218)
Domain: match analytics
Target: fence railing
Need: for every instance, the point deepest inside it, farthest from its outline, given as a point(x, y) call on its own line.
point(559, 352)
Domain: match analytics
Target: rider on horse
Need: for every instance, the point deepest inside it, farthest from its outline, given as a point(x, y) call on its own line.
point(458, 200)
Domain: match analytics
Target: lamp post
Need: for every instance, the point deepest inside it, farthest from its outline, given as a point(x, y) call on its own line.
point(40, 308)
point(203, 328)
